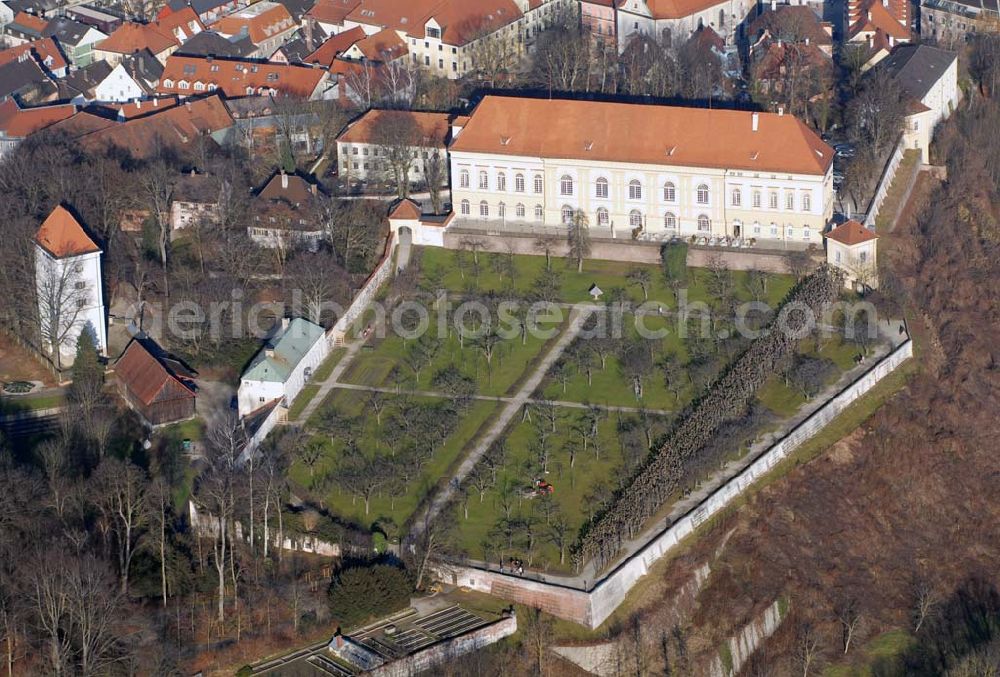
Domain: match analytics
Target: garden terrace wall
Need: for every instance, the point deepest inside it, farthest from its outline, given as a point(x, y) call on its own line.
point(594, 607)
point(366, 294)
point(666, 468)
point(448, 650)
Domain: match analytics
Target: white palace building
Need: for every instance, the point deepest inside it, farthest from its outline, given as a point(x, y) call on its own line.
point(519, 163)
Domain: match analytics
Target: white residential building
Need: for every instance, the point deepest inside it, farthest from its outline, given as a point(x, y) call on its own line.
point(68, 286)
point(928, 77)
point(853, 249)
point(360, 145)
point(444, 36)
point(283, 366)
point(119, 87)
point(674, 22)
point(632, 168)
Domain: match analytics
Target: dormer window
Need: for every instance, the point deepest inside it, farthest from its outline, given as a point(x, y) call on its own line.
point(434, 33)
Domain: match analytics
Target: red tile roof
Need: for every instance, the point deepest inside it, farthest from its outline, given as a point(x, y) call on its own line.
point(132, 37)
point(234, 77)
point(148, 378)
point(44, 51)
point(336, 45)
point(639, 133)
point(19, 123)
point(260, 27)
point(406, 210)
point(62, 235)
point(461, 21)
point(385, 46)
point(136, 109)
point(30, 21)
point(182, 24)
point(332, 11)
point(178, 127)
point(433, 127)
point(851, 233)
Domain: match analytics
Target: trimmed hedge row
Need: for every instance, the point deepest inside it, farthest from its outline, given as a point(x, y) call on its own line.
point(728, 397)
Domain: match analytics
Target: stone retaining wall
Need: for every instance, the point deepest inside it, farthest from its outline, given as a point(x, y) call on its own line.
point(594, 607)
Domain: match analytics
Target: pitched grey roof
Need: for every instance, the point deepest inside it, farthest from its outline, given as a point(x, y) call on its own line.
point(83, 80)
point(66, 31)
point(199, 6)
point(20, 74)
point(143, 67)
point(210, 43)
point(917, 67)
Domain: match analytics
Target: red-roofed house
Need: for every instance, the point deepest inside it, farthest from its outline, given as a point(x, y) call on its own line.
point(44, 51)
point(329, 15)
point(193, 75)
point(130, 38)
point(24, 28)
point(410, 224)
point(17, 123)
point(326, 53)
point(358, 146)
point(160, 388)
point(68, 286)
point(268, 24)
point(443, 36)
point(878, 25)
point(852, 248)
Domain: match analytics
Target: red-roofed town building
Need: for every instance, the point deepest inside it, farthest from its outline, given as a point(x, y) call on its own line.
point(194, 75)
point(657, 170)
point(157, 386)
point(44, 51)
point(17, 123)
point(68, 287)
point(852, 248)
point(360, 145)
point(268, 24)
point(878, 26)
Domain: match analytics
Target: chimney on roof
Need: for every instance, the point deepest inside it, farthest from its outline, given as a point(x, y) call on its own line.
point(284, 180)
point(781, 111)
point(269, 353)
point(194, 172)
point(156, 103)
point(284, 324)
point(807, 41)
point(313, 188)
point(754, 121)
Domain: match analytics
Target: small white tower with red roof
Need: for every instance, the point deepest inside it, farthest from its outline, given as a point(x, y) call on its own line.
point(69, 286)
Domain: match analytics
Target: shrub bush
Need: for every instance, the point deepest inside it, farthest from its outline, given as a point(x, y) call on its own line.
point(360, 592)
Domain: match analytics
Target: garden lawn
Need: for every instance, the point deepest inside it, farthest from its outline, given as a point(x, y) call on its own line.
point(575, 287)
point(611, 387)
point(374, 366)
point(435, 470)
point(573, 487)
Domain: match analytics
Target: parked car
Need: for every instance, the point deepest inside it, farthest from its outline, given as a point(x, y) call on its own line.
point(845, 150)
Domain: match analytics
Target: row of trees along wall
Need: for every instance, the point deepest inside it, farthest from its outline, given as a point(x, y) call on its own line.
point(729, 397)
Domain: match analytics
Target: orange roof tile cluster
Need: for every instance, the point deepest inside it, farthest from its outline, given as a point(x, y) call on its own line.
point(332, 12)
point(406, 210)
point(18, 123)
point(673, 9)
point(148, 378)
point(461, 21)
point(851, 233)
point(30, 21)
point(889, 17)
point(645, 134)
point(177, 127)
point(326, 53)
point(44, 51)
point(183, 24)
point(136, 109)
point(384, 46)
point(235, 78)
point(433, 128)
point(132, 37)
point(261, 21)
point(61, 235)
